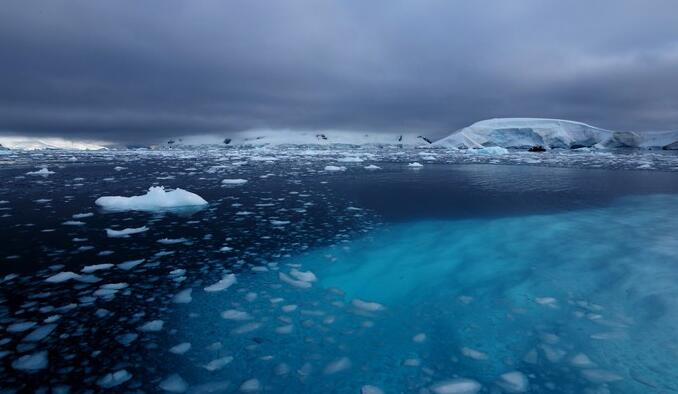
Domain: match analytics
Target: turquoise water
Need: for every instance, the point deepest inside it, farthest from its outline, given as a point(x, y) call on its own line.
point(573, 301)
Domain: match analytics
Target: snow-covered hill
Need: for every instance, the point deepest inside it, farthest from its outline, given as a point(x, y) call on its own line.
point(30, 143)
point(289, 137)
point(523, 133)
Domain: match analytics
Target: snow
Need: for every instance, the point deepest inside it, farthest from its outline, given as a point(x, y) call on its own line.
point(31, 362)
point(234, 181)
point(156, 199)
point(225, 282)
point(125, 233)
point(30, 143)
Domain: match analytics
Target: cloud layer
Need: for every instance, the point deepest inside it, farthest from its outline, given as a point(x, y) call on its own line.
point(138, 71)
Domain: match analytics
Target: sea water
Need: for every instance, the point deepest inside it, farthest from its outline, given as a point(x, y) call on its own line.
point(452, 277)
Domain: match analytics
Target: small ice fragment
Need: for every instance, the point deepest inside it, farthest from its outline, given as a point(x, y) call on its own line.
point(88, 269)
point(372, 167)
point(547, 301)
point(124, 233)
point(40, 333)
point(218, 363)
point(180, 348)
point(419, 338)
point(20, 326)
point(234, 181)
point(153, 325)
point(582, 361)
point(225, 282)
point(73, 223)
point(600, 376)
point(183, 297)
point(246, 328)
point(415, 165)
point(127, 339)
point(172, 241)
point(369, 389)
point(250, 386)
point(335, 168)
point(367, 306)
point(82, 215)
point(307, 276)
point(114, 379)
point(474, 354)
point(174, 384)
point(286, 329)
point(233, 314)
point(292, 282)
point(128, 265)
point(337, 366)
point(62, 277)
point(456, 386)
point(31, 362)
point(513, 382)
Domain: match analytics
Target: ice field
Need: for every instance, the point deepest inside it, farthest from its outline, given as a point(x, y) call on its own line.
point(339, 269)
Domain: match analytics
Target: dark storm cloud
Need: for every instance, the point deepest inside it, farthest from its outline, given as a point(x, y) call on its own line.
point(140, 70)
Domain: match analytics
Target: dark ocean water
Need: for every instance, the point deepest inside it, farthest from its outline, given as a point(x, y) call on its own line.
point(477, 274)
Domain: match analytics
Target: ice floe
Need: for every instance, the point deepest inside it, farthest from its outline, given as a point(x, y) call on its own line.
point(157, 198)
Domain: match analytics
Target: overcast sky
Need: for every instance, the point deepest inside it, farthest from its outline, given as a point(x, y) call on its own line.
point(135, 71)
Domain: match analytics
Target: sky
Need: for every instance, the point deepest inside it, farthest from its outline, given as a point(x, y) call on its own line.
point(139, 71)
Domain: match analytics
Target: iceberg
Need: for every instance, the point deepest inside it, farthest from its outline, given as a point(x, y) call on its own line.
point(523, 133)
point(156, 199)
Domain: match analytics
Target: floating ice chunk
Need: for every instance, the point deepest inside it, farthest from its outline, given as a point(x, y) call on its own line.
point(42, 172)
point(419, 338)
point(292, 282)
point(180, 348)
point(600, 376)
point(415, 165)
point(350, 159)
point(250, 386)
point(289, 308)
point(82, 215)
point(218, 363)
point(307, 276)
point(31, 363)
point(62, 277)
point(367, 306)
point(88, 269)
point(233, 314)
point(225, 282)
point(128, 265)
point(114, 379)
point(183, 297)
point(286, 329)
point(372, 167)
point(547, 301)
point(225, 249)
point(234, 181)
point(490, 150)
point(124, 233)
point(40, 333)
point(73, 223)
point(20, 326)
point(155, 199)
point(172, 241)
point(335, 168)
point(474, 354)
point(369, 389)
point(245, 328)
point(174, 384)
point(279, 222)
point(338, 365)
point(151, 326)
point(127, 339)
point(456, 386)
point(582, 361)
point(513, 382)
